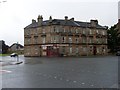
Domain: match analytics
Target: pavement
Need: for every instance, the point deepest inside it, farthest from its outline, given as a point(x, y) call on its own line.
point(7, 60)
point(61, 72)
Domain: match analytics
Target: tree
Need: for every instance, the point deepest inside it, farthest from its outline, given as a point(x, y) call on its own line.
point(113, 38)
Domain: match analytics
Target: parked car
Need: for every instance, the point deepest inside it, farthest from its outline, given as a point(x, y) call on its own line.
point(118, 53)
point(13, 54)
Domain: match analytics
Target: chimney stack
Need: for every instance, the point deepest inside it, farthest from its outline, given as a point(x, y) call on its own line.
point(50, 19)
point(66, 18)
point(40, 20)
point(72, 19)
point(33, 21)
point(94, 23)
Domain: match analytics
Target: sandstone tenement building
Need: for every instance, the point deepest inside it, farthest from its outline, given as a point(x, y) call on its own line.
point(64, 37)
point(118, 25)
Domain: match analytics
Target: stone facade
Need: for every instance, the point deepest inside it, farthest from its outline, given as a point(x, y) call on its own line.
point(16, 48)
point(57, 37)
point(118, 28)
point(3, 47)
point(118, 25)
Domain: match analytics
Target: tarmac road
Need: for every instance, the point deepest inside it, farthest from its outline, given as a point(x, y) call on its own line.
point(61, 72)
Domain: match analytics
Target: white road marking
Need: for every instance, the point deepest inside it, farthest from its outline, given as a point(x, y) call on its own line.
point(55, 77)
point(67, 80)
point(83, 83)
point(60, 78)
point(2, 71)
point(74, 81)
point(92, 85)
point(44, 75)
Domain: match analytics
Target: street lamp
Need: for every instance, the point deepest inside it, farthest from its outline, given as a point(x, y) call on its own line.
point(3, 1)
point(17, 52)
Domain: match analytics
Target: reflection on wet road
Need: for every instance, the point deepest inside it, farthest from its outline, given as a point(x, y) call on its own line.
point(65, 72)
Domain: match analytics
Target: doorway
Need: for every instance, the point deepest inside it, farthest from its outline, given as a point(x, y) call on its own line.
point(94, 50)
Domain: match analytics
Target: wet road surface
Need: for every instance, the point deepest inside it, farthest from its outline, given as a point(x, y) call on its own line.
point(61, 72)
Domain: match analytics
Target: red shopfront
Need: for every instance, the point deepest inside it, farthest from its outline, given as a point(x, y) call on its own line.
point(52, 51)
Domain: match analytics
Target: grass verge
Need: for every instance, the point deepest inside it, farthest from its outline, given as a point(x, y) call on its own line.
point(4, 54)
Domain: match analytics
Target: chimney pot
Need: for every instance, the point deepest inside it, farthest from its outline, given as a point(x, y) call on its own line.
point(40, 18)
point(66, 17)
point(72, 19)
point(33, 21)
point(50, 19)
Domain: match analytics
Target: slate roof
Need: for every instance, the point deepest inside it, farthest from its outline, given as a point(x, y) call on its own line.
point(19, 45)
point(64, 23)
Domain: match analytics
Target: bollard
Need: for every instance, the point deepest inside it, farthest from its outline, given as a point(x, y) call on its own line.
point(17, 58)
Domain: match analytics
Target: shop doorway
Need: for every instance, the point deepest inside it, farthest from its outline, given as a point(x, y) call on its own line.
point(52, 51)
point(94, 50)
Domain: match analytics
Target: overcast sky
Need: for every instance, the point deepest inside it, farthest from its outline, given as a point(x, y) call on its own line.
point(16, 14)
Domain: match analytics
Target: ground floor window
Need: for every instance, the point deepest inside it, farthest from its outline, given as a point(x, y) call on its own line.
point(43, 39)
point(70, 49)
point(63, 49)
point(77, 50)
point(36, 50)
point(44, 53)
point(97, 49)
point(84, 49)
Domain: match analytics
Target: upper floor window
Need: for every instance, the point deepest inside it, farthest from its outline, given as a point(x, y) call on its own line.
point(36, 40)
point(43, 31)
point(63, 39)
point(51, 30)
point(83, 31)
point(106, 40)
point(90, 40)
point(84, 40)
point(90, 31)
point(64, 30)
point(43, 41)
point(57, 38)
point(103, 32)
point(71, 31)
point(97, 40)
point(35, 32)
point(77, 50)
point(27, 32)
point(54, 39)
point(54, 29)
point(77, 31)
point(70, 39)
point(97, 31)
point(28, 40)
point(51, 39)
point(57, 29)
point(77, 40)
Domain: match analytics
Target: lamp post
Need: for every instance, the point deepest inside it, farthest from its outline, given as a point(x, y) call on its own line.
point(17, 52)
point(3, 1)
